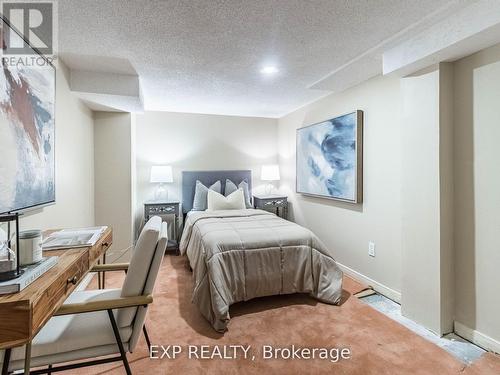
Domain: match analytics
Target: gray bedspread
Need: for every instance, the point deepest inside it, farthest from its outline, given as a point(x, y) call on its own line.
point(238, 255)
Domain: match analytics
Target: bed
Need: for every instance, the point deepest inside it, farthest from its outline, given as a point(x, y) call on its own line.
point(237, 255)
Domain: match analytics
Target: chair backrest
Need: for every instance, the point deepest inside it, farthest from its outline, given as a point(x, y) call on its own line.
point(149, 286)
point(144, 259)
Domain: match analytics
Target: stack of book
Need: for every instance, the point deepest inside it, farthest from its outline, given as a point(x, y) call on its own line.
point(30, 274)
point(63, 239)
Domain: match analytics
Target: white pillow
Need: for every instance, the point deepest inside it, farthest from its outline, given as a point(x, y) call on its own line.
point(234, 201)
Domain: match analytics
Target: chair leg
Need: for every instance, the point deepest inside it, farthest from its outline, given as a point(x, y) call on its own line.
point(119, 342)
point(148, 341)
point(6, 360)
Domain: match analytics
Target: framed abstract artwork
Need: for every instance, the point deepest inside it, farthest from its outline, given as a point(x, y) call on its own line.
point(330, 158)
point(27, 132)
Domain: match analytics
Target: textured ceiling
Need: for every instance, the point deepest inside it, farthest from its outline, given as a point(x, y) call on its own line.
point(205, 56)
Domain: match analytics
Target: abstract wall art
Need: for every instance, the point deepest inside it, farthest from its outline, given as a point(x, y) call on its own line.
point(330, 158)
point(27, 111)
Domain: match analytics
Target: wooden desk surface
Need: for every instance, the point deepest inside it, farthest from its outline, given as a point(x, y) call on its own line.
point(23, 314)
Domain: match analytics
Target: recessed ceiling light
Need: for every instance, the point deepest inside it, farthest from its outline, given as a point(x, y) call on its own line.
point(269, 70)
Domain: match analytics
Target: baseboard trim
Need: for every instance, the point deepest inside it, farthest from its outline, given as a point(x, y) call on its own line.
point(478, 338)
point(380, 288)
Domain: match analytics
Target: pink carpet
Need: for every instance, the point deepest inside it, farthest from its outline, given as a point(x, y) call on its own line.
point(378, 344)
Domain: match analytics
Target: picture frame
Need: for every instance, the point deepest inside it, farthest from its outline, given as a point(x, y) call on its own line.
point(329, 158)
point(29, 177)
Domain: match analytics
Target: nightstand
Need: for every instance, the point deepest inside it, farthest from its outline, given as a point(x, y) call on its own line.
point(162, 208)
point(277, 204)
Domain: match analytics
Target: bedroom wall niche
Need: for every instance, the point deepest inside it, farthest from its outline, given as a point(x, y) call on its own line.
point(346, 228)
point(114, 179)
point(74, 144)
point(200, 142)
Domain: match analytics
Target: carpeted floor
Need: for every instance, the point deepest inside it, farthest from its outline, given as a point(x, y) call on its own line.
point(378, 344)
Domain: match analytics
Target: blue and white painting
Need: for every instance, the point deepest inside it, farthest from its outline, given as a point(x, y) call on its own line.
point(327, 158)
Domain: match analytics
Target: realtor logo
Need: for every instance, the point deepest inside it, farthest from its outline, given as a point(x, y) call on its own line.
point(32, 27)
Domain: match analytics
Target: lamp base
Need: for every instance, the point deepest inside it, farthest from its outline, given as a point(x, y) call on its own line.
point(10, 275)
point(161, 193)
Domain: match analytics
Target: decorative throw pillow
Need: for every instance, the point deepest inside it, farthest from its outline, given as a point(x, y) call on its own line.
point(200, 195)
point(234, 201)
point(231, 187)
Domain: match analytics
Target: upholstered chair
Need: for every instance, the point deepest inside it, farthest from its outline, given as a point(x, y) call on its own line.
point(96, 323)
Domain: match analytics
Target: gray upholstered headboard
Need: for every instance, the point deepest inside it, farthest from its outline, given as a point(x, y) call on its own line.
point(207, 178)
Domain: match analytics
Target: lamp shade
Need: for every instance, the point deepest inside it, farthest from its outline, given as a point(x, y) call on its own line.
point(161, 173)
point(270, 172)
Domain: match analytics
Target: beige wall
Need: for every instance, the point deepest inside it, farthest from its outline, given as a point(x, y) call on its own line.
point(191, 141)
point(346, 229)
point(114, 165)
point(426, 181)
point(420, 198)
point(446, 187)
point(74, 164)
point(200, 142)
point(477, 187)
point(447, 146)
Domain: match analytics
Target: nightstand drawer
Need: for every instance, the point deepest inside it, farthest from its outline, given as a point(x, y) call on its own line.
point(152, 210)
point(275, 203)
point(272, 203)
point(163, 209)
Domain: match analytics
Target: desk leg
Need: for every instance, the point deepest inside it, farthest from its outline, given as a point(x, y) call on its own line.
point(176, 224)
point(27, 358)
point(6, 360)
point(98, 276)
point(104, 273)
point(175, 227)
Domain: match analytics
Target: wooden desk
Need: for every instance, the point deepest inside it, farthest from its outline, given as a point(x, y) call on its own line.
point(23, 314)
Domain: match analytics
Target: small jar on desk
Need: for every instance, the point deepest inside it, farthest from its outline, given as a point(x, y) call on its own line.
point(277, 204)
point(162, 208)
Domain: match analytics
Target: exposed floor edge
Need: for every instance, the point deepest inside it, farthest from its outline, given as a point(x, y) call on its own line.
point(381, 288)
point(462, 331)
point(457, 346)
point(365, 293)
point(477, 337)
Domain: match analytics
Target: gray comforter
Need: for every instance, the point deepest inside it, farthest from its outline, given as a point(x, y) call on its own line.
point(238, 255)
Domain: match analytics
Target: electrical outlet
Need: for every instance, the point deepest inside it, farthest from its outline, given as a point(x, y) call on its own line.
point(371, 249)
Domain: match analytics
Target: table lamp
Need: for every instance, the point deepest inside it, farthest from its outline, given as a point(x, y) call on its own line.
point(270, 173)
point(161, 174)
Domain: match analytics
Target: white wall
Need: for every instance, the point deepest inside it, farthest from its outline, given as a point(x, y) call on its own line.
point(114, 165)
point(74, 164)
point(346, 228)
point(200, 142)
point(477, 198)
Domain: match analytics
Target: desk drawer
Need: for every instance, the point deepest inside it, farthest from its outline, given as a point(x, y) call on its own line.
point(100, 248)
point(58, 291)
